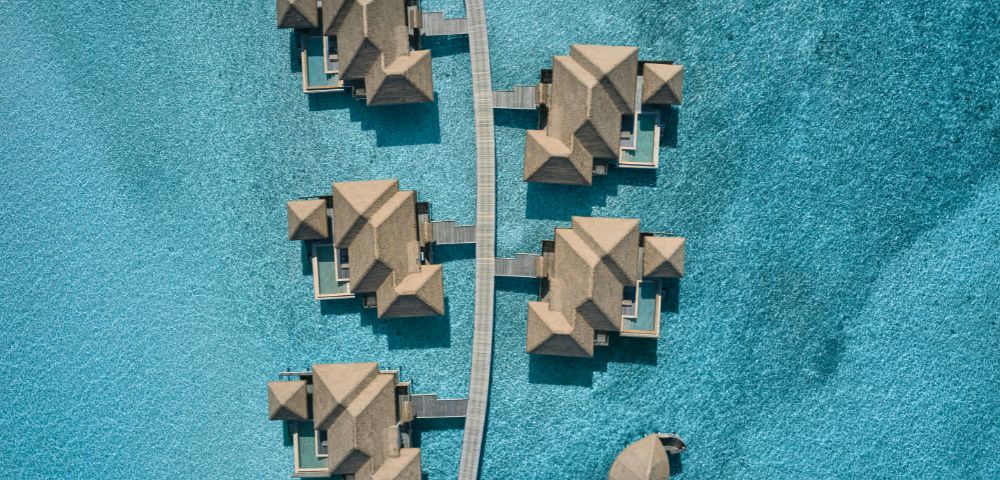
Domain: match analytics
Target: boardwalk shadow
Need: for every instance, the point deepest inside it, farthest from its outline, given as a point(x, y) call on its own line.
point(394, 125)
point(446, 45)
point(307, 268)
point(553, 370)
point(294, 58)
point(422, 425)
point(668, 133)
point(527, 286)
point(560, 202)
point(676, 467)
point(400, 333)
point(454, 252)
point(524, 119)
point(671, 300)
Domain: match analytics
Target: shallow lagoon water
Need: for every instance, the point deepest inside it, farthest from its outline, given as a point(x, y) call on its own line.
point(834, 167)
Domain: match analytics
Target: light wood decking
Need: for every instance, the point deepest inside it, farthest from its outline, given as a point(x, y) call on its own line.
point(482, 343)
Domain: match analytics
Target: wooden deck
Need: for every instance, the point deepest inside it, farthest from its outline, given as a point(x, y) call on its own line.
point(430, 406)
point(482, 342)
point(434, 24)
point(524, 265)
point(520, 98)
point(450, 233)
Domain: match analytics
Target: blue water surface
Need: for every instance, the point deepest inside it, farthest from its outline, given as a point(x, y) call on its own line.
point(835, 168)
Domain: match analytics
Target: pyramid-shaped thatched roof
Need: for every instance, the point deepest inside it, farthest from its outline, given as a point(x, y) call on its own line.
point(307, 220)
point(298, 14)
point(662, 84)
point(287, 400)
point(643, 460)
point(406, 80)
point(663, 257)
point(354, 203)
point(614, 68)
point(551, 333)
point(335, 385)
point(548, 160)
point(419, 294)
point(616, 242)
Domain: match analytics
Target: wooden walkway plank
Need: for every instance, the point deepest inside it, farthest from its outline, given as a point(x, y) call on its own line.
point(450, 233)
point(523, 265)
point(434, 24)
point(482, 343)
point(520, 98)
point(430, 406)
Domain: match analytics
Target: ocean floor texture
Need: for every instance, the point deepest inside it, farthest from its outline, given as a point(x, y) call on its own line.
point(835, 168)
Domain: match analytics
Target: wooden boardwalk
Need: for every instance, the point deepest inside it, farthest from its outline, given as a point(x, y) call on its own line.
point(520, 98)
point(482, 341)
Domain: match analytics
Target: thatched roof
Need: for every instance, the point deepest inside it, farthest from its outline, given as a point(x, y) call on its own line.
point(591, 89)
point(663, 257)
point(615, 240)
point(358, 406)
point(406, 80)
point(287, 400)
point(307, 220)
point(614, 68)
point(334, 12)
point(592, 263)
point(662, 84)
point(643, 460)
point(582, 110)
point(404, 467)
point(335, 386)
point(381, 246)
point(362, 431)
point(369, 30)
point(354, 203)
point(548, 160)
point(297, 14)
point(590, 288)
point(550, 333)
point(378, 224)
point(373, 44)
point(419, 294)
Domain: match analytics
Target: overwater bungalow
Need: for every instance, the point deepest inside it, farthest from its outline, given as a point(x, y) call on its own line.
point(598, 107)
point(646, 459)
point(370, 47)
point(372, 239)
point(349, 420)
point(599, 277)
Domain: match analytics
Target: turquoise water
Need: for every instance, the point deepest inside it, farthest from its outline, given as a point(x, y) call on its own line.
point(834, 167)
